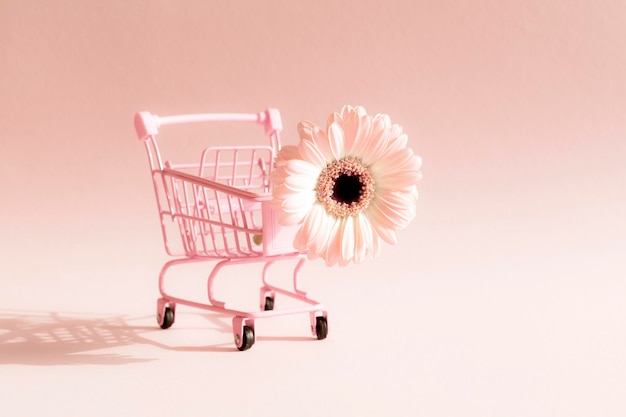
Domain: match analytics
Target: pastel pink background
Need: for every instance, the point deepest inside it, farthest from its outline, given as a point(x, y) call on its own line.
point(504, 298)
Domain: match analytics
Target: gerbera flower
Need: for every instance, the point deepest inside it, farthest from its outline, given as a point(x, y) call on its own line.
point(349, 187)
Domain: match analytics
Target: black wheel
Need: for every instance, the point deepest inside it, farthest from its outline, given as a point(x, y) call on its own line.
point(168, 318)
point(247, 338)
point(269, 303)
point(321, 328)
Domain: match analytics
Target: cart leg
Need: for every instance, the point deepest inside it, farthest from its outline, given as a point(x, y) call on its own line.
point(267, 297)
point(319, 324)
point(166, 312)
point(243, 331)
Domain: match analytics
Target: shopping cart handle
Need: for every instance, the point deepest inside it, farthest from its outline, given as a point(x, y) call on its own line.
point(147, 124)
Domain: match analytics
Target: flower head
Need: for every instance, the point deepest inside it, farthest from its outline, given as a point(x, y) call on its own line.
point(349, 186)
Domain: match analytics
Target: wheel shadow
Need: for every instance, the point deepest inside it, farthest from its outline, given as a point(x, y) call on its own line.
point(53, 338)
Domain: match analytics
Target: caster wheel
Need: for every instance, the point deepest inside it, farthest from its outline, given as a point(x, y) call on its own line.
point(167, 320)
point(269, 304)
point(321, 328)
point(247, 339)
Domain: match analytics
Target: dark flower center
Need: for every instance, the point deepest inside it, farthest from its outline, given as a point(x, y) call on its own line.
point(347, 189)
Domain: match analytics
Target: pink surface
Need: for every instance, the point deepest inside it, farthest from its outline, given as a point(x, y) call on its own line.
point(504, 297)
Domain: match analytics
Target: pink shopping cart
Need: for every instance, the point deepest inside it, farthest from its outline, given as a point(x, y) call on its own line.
point(217, 209)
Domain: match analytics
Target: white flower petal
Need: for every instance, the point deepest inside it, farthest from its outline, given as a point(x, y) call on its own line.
point(300, 240)
point(395, 131)
point(299, 202)
point(346, 110)
point(381, 215)
point(288, 152)
point(335, 139)
point(383, 120)
point(351, 125)
point(348, 241)
point(305, 129)
point(314, 226)
point(363, 237)
point(314, 233)
point(321, 141)
point(279, 193)
point(333, 251)
point(299, 183)
point(400, 159)
point(334, 118)
point(398, 207)
point(361, 136)
point(295, 175)
point(398, 179)
point(312, 154)
point(289, 219)
point(388, 235)
point(396, 143)
point(299, 167)
point(375, 146)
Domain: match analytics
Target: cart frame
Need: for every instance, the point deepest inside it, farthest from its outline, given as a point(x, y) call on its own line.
point(218, 210)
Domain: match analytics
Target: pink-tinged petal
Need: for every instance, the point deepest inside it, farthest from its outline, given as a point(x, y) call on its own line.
point(344, 262)
point(369, 146)
point(276, 204)
point(311, 153)
point(315, 231)
point(363, 237)
point(418, 162)
point(305, 129)
point(396, 144)
point(276, 177)
point(334, 118)
point(348, 241)
point(335, 139)
point(321, 141)
point(346, 110)
point(299, 167)
point(398, 207)
point(381, 214)
point(361, 136)
point(398, 179)
point(383, 119)
point(315, 226)
point(297, 184)
point(351, 125)
point(379, 138)
point(380, 123)
point(288, 152)
point(333, 251)
point(289, 219)
point(360, 110)
point(300, 240)
point(395, 131)
point(312, 256)
point(280, 192)
point(375, 147)
point(402, 159)
point(299, 202)
point(388, 235)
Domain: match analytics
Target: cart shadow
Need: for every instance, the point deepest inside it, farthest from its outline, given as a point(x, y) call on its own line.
point(52, 338)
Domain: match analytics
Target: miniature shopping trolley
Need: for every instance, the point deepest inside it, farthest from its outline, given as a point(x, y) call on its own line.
point(217, 209)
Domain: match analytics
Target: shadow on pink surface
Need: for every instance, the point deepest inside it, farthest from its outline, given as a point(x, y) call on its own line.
point(52, 338)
